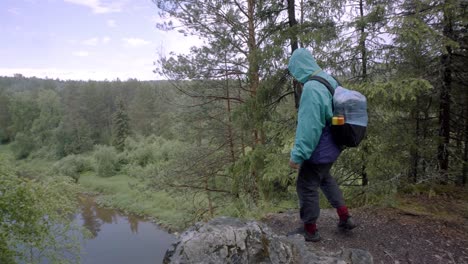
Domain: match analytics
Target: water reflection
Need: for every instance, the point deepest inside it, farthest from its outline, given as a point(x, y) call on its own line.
point(117, 238)
point(94, 216)
point(133, 221)
point(88, 214)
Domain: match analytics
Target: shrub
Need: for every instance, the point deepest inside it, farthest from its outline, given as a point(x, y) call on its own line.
point(107, 160)
point(22, 146)
point(144, 151)
point(35, 219)
point(72, 166)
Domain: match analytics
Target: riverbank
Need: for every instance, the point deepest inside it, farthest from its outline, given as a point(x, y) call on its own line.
point(120, 192)
point(172, 212)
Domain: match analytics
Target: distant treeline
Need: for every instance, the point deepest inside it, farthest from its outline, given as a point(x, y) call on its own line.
point(70, 117)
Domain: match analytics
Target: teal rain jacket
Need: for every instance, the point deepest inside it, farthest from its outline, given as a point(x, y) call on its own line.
point(313, 141)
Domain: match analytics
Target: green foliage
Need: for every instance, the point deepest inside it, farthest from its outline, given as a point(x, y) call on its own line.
point(401, 92)
point(23, 145)
point(50, 115)
point(5, 118)
point(35, 222)
point(277, 176)
point(140, 151)
point(273, 177)
point(24, 110)
point(73, 166)
point(242, 179)
point(73, 137)
point(106, 160)
point(143, 151)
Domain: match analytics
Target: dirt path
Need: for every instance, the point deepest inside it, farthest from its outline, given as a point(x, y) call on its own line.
point(390, 235)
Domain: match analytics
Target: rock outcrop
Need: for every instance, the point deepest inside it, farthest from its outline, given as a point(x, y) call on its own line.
point(231, 240)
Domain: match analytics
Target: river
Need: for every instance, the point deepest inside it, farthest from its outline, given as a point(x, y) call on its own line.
point(119, 238)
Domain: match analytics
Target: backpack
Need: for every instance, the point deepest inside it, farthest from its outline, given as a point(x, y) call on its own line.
point(350, 105)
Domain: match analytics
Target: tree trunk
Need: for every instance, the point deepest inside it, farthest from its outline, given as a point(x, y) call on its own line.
point(208, 195)
point(444, 104)
point(444, 122)
point(294, 46)
point(465, 154)
point(362, 42)
point(254, 83)
point(292, 24)
point(365, 152)
point(230, 134)
point(425, 134)
point(363, 48)
point(415, 148)
point(253, 61)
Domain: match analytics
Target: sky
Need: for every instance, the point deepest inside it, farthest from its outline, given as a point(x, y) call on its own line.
point(84, 39)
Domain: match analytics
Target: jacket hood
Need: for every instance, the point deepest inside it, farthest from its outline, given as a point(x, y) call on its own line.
point(302, 65)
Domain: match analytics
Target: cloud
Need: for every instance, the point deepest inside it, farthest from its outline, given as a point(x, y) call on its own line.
point(135, 42)
point(14, 11)
point(96, 41)
point(80, 53)
point(111, 23)
point(91, 42)
point(99, 6)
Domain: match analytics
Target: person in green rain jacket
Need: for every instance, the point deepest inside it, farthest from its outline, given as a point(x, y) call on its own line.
point(314, 150)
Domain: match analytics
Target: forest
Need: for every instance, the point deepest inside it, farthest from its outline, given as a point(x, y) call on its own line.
point(213, 136)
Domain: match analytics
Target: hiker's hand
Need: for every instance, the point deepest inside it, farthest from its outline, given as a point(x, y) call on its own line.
point(293, 165)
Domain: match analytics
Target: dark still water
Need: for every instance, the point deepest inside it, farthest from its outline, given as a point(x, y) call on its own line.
point(120, 239)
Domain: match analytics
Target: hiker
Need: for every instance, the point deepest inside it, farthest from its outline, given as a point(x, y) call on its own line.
point(314, 149)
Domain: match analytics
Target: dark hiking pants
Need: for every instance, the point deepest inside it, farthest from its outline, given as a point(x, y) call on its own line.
point(311, 177)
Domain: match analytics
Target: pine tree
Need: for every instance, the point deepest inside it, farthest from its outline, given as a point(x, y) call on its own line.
point(121, 127)
point(430, 34)
point(241, 47)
